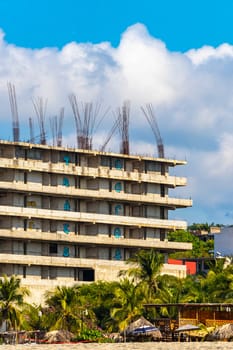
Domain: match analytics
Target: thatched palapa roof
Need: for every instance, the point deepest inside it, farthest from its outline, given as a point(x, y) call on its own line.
point(142, 327)
point(59, 336)
point(224, 332)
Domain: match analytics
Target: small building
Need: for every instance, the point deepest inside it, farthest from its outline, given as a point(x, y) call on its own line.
point(190, 265)
point(209, 314)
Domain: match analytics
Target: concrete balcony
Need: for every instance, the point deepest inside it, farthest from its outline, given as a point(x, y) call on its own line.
point(58, 261)
point(95, 240)
point(64, 191)
point(92, 218)
point(100, 172)
point(96, 264)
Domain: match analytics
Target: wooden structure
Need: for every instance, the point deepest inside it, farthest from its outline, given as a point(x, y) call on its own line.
point(209, 314)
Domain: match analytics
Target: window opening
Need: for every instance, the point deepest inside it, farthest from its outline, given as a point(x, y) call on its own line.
point(118, 207)
point(67, 205)
point(66, 228)
point(118, 164)
point(66, 159)
point(66, 252)
point(117, 232)
point(53, 248)
point(118, 187)
point(66, 182)
point(117, 255)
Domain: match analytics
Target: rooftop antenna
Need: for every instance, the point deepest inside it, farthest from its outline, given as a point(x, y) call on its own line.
point(14, 111)
point(150, 116)
point(123, 117)
point(40, 109)
point(86, 117)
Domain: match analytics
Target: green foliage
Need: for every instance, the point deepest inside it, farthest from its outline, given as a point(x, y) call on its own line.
point(200, 227)
point(11, 301)
point(34, 318)
point(200, 248)
point(94, 335)
point(99, 298)
point(129, 300)
point(146, 267)
point(64, 304)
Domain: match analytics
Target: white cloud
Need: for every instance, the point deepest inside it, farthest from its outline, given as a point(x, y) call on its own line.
point(208, 53)
point(191, 93)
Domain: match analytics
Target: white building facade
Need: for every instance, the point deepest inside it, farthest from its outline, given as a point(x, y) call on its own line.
point(74, 216)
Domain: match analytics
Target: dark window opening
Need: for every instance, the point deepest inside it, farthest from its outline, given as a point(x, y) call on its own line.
point(25, 224)
point(87, 275)
point(162, 213)
point(53, 248)
point(24, 248)
point(24, 271)
point(162, 191)
point(48, 272)
point(162, 169)
point(162, 235)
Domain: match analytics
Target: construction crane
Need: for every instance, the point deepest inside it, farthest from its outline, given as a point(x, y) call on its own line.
point(14, 111)
point(150, 116)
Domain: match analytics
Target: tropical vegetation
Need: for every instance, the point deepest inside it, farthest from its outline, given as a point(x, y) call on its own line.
point(91, 310)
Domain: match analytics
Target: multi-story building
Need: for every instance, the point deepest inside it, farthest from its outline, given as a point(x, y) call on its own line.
point(71, 215)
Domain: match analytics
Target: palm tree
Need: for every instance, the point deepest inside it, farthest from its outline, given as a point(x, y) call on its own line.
point(170, 292)
point(98, 297)
point(11, 300)
point(129, 299)
point(146, 268)
point(34, 318)
point(64, 308)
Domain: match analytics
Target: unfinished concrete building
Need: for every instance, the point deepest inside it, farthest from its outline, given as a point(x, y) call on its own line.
point(70, 215)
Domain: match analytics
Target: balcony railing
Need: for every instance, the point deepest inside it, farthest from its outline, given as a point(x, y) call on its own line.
point(95, 240)
point(100, 172)
point(60, 190)
point(91, 217)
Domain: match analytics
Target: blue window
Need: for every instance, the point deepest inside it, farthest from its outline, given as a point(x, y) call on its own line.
point(66, 228)
point(117, 255)
point(118, 187)
point(67, 205)
point(117, 232)
point(118, 164)
point(66, 252)
point(118, 207)
point(66, 159)
point(66, 182)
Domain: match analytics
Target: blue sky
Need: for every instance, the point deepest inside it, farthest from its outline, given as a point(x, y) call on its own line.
point(181, 24)
point(175, 54)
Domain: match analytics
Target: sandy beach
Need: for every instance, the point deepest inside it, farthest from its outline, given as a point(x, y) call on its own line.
point(125, 346)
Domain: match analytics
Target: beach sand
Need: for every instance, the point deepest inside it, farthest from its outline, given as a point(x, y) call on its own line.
point(125, 346)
